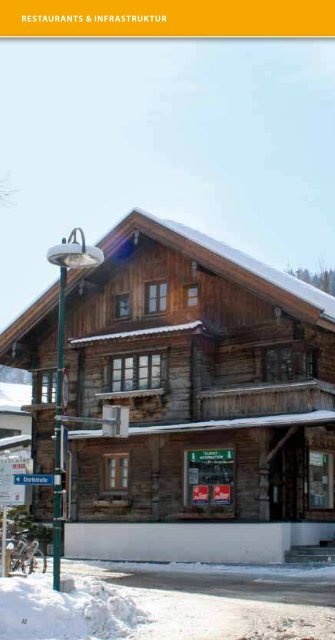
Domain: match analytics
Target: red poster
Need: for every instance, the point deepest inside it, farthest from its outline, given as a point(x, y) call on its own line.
point(222, 493)
point(200, 493)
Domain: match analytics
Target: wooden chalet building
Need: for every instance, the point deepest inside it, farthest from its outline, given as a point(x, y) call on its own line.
point(228, 368)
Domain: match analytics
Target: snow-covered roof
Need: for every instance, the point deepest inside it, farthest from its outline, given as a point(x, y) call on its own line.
point(320, 416)
point(308, 293)
point(139, 332)
point(14, 396)
point(12, 441)
point(181, 235)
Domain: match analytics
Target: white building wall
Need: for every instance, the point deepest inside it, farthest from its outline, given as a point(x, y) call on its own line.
point(180, 542)
point(18, 422)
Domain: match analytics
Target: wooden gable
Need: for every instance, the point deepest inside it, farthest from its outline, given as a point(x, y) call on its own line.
point(134, 255)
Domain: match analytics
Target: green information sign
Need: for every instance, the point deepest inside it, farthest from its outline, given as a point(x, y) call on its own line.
point(212, 455)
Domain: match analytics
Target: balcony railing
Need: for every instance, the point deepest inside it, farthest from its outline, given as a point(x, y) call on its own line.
point(265, 399)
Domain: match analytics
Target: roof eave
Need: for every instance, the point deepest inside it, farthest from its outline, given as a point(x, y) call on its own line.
point(137, 219)
point(326, 322)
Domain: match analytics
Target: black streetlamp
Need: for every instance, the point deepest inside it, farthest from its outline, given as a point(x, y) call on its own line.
point(71, 254)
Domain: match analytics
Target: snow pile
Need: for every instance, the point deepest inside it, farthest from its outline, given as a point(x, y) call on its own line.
point(30, 609)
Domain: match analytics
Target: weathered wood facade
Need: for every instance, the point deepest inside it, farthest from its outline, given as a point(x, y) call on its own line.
point(207, 356)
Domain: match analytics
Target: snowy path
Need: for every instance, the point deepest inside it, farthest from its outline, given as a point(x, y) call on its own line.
point(183, 612)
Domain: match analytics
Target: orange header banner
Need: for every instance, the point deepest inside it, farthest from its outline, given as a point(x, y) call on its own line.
point(166, 18)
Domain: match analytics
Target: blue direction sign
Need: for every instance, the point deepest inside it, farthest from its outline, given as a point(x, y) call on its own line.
point(33, 479)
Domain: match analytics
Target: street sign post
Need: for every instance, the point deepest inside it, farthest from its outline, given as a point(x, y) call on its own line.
point(37, 479)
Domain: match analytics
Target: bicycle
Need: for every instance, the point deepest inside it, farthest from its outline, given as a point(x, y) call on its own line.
point(26, 555)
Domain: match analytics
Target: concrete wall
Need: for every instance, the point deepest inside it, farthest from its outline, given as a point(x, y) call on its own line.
point(311, 532)
point(181, 542)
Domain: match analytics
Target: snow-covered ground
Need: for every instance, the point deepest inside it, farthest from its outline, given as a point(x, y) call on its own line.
point(305, 571)
point(30, 609)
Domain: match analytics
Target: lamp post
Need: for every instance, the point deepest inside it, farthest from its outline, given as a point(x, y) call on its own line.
point(71, 254)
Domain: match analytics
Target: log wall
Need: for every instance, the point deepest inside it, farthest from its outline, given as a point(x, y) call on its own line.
point(166, 503)
point(239, 327)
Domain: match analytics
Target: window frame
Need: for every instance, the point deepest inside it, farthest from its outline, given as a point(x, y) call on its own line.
point(149, 367)
point(136, 378)
point(278, 377)
point(123, 379)
point(303, 362)
point(117, 298)
point(211, 505)
point(330, 484)
point(38, 385)
point(187, 298)
point(117, 456)
point(158, 310)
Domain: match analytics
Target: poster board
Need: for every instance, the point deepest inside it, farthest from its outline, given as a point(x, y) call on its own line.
point(10, 494)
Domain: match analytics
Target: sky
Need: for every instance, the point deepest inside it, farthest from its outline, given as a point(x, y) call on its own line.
point(233, 137)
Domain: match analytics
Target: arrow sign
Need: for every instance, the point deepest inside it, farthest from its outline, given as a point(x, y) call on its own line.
point(37, 479)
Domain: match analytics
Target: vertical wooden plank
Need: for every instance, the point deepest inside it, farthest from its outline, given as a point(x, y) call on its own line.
point(264, 467)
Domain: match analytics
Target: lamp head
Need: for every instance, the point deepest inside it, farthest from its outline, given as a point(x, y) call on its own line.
point(75, 255)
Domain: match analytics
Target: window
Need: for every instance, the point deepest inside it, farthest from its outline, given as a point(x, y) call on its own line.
point(149, 372)
point(44, 384)
point(309, 364)
point(279, 364)
point(210, 477)
point(191, 295)
point(136, 372)
point(286, 363)
point(123, 374)
point(321, 472)
point(122, 305)
point(156, 297)
point(116, 471)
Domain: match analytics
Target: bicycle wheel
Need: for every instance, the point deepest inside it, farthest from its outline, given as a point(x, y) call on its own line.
point(38, 563)
point(17, 564)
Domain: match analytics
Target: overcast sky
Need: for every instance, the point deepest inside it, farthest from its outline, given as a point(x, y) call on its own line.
point(233, 137)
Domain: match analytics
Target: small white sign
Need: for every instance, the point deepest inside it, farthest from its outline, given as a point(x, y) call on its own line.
point(193, 476)
point(65, 390)
point(315, 459)
point(11, 494)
